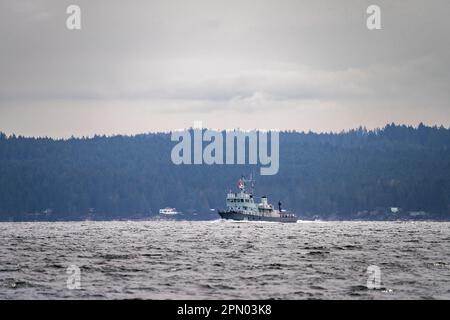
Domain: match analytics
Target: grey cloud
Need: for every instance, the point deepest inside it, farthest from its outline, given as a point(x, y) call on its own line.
point(276, 57)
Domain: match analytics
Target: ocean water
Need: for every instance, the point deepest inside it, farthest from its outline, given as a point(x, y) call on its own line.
point(224, 260)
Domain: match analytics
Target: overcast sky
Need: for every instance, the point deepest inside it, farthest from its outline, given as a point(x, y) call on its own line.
point(140, 66)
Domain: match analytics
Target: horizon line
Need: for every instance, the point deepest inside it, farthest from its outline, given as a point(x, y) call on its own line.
point(330, 132)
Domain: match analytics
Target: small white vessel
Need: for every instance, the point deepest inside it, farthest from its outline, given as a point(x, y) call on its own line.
point(168, 211)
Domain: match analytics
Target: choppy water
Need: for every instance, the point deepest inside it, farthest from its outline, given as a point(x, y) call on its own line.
point(222, 259)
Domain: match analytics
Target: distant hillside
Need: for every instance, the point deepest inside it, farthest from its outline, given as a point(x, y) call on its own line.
point(358, 174)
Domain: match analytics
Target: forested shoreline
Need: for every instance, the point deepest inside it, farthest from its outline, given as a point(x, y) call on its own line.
point(396, 172)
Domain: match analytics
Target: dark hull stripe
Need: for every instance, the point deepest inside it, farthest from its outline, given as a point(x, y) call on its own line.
point(231, 215)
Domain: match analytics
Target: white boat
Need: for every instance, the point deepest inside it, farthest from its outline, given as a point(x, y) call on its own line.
point(168, 211)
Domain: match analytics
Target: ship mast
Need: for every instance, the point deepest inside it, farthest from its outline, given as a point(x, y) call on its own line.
point(243, 183)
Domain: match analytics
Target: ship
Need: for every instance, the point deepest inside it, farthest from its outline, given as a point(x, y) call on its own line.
point(241, 206)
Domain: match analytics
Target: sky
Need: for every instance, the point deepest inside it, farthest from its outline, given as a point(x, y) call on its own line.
point(145, 66)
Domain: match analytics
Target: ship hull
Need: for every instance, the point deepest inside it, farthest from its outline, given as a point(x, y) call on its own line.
point(238, 216)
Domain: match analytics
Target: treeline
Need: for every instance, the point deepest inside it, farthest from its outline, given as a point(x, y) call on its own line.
point(358, 174)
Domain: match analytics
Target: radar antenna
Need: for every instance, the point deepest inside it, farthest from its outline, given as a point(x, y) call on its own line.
point(243, 183)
